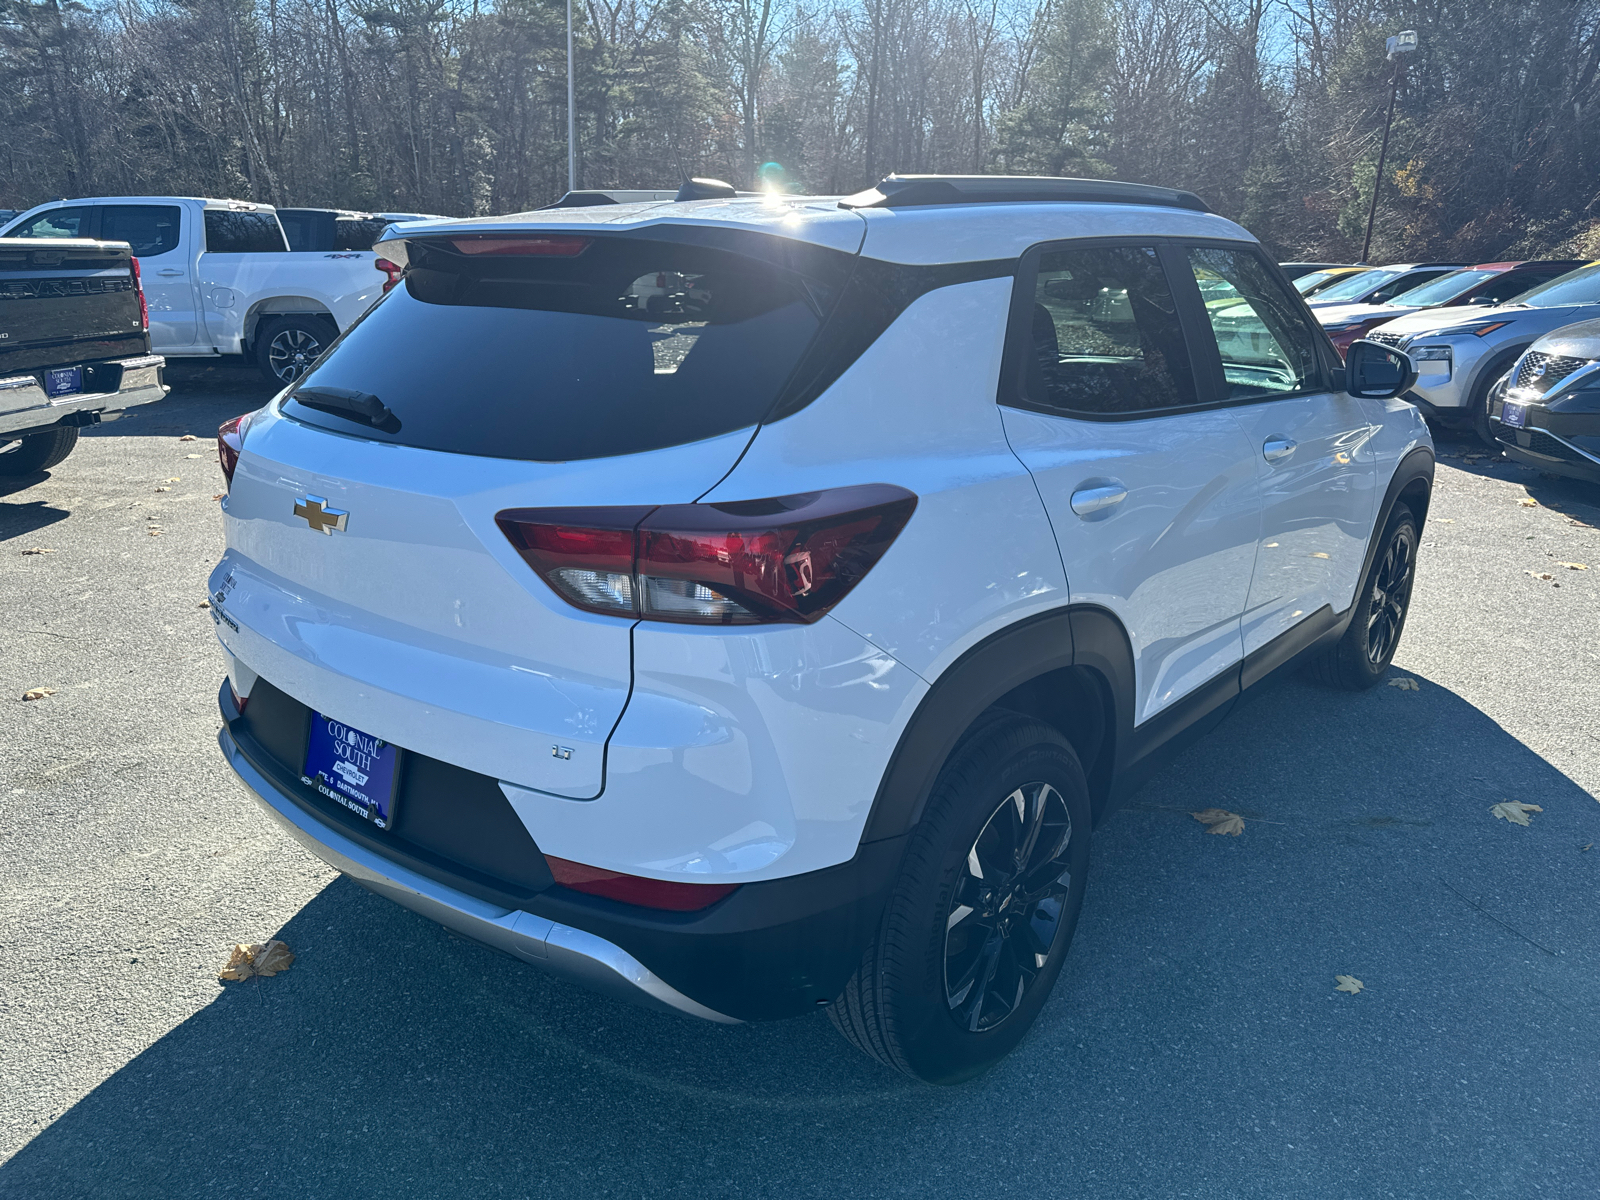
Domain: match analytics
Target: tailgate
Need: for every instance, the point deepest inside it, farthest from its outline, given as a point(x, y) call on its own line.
point(418, 622)
point(65, 302)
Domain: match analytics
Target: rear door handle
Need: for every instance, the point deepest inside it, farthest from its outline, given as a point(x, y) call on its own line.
point(169, 272)
point(1276, 449)
point(1089, 500)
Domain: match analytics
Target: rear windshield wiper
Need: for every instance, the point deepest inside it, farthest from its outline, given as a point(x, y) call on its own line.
point(350, 404)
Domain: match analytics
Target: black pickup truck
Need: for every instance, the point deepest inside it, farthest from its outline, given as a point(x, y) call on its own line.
point(74, 346)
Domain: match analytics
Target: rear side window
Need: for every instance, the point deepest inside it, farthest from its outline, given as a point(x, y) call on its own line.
point(305, 230)
point(1266, 342)
point(610, 345)
point(230, 232)
point(1105, 335)
point(357, 233)
point(151, 229)
point(57, 223)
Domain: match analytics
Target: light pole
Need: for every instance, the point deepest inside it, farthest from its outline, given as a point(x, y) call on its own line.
point(572, 113)
point(1404, 42)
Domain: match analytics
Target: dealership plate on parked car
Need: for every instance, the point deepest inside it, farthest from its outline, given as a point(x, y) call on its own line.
point(353, 768)
point(1514, 415)
point(65, 381)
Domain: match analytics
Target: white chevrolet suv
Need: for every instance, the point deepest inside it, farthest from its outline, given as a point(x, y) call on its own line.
point(773, 638)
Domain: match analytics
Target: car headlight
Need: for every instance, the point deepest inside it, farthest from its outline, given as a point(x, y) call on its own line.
point(1430, 354)
point(1472, 330)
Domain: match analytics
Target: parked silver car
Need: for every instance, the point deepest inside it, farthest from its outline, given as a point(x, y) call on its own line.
point(1460, 352)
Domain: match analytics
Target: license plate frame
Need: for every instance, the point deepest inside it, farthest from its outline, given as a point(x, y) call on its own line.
point(1513, 415)
point(353, 768)
point(63, 381)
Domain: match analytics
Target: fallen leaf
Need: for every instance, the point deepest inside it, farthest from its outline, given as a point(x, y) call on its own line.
point(174, 479)
point(188, 437)
point(1406, 685)
point(1585, 847)
point(218, 496)
point(191, 456)
point(1348, 983)
point(1574, 566)
point(163, 489)
point(205, 604)
point(265, 960)
point(38, 693)
point(1526, 501)
point(1220, 820)
point(1540, 574)
point(38, 550)
point(153, 532)
point(1318, 554)
point(1514, 811)
point(1445, 520)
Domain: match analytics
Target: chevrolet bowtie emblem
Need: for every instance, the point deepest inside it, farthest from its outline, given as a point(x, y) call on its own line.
point(319, 516)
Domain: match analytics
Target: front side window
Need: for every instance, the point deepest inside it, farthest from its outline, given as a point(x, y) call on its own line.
point(1104, 336)
point(1412, 279)
point(1266, 343)
point(151, 229)
point(57, 223)
point(1444, 289)
point(229, 232)
point(1575, 287)
point(1355, 287)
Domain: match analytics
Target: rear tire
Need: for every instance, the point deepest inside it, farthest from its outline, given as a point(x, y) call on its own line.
point(1360, 659)
point(971, 944)
point(288, 347)
point(37, 452)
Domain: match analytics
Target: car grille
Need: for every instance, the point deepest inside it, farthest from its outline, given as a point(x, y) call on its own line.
point(1388, 339)
point(1541, 371)
point(1540, 442)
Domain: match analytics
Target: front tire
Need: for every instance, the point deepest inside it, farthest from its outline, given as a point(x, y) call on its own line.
point(288, 347)
point(38, 452)
point(1360, 659)
point(979, 924)
point(1478, 403)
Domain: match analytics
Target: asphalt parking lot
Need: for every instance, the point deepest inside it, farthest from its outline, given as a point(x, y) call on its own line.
point(1195, 1047)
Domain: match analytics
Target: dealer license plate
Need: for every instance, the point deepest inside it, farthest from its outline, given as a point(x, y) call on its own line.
point(353, 768)
point(64, 381)
point(1514, 415)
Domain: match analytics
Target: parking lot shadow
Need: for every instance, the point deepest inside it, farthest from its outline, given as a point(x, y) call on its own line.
point(25, 517)
point(1195, 1046)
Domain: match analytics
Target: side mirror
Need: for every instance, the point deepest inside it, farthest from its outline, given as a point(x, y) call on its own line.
point(1374, 371)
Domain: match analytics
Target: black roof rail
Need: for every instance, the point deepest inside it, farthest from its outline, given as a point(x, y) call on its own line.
point(915, 191)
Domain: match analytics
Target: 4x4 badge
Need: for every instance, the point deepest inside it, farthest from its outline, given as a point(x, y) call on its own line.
point(319, 516)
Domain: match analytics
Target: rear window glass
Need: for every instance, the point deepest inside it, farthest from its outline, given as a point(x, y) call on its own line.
point(357, 233)
point(628, 345)
point(243, 233)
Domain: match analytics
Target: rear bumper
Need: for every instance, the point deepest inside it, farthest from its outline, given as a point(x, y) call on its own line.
point(24, 407)
point(557, 948)
point(772, 949)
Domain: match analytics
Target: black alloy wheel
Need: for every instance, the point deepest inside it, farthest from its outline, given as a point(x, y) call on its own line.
point(1361, 657)
point(1391, 596)
point(1008, 906)
point(981, 918)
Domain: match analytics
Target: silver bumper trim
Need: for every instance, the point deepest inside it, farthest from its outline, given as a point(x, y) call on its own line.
point(559, 949)
point(23, 404)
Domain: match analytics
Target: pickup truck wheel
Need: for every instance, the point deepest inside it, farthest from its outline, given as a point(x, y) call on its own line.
point(287, 347)
point(37, 452)
point(1361, 658)
point(979, 923)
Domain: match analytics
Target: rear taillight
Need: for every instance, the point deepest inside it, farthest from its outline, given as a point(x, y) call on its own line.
point(784, 559)
point(543, 245)
point(138, 288)
point(230, 441)
point(393, 270)
point(239, 702)
point(635, 889)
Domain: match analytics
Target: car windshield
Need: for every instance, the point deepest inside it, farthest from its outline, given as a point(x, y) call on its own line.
point(1316, 279)
point(1358, 286)
point(1442, 290)
point(612, 346)
point(1575, 287)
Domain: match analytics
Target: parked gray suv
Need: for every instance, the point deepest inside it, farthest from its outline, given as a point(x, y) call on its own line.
point(1461, 352)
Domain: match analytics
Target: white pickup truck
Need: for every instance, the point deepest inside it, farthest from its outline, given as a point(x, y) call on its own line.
point(220, 278)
